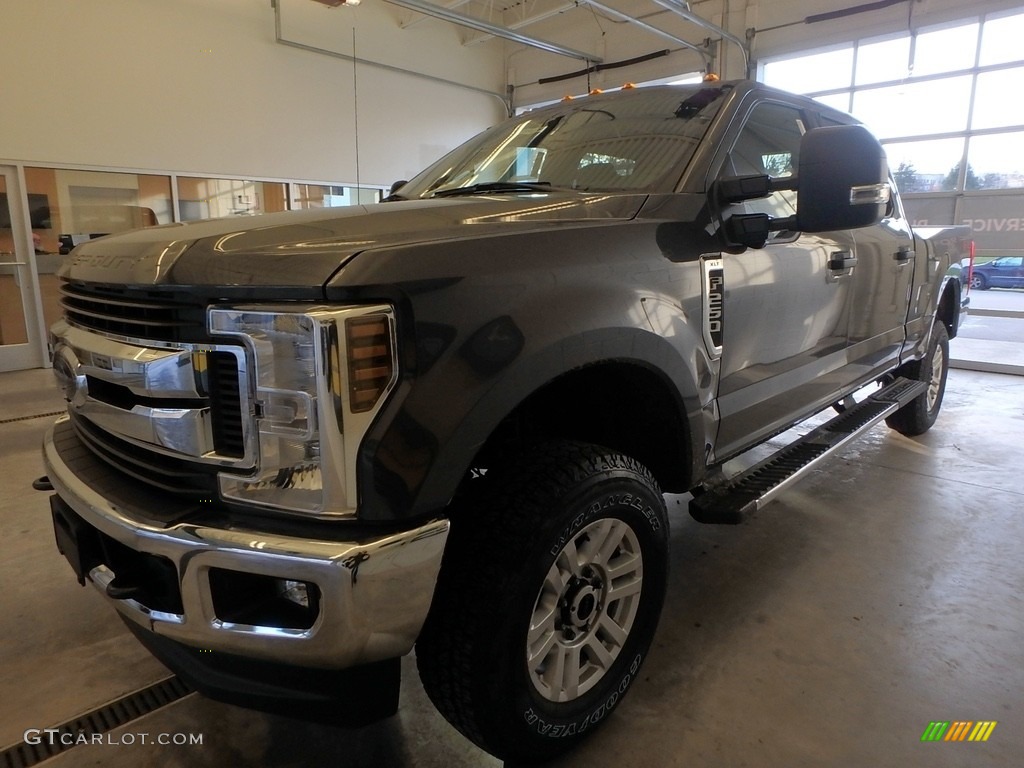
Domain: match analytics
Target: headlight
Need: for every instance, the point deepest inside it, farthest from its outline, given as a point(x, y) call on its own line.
point(320, 376)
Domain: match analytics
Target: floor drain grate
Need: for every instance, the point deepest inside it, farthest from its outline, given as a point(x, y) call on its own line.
point(33, 416)
point(101, 720)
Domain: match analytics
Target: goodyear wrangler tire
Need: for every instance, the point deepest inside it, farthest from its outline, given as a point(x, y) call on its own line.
point(547, 601)
point(917, 416)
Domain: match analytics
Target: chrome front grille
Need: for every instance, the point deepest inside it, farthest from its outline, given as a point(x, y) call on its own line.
point(163, 472)
point(225, 392)
point(170, 413)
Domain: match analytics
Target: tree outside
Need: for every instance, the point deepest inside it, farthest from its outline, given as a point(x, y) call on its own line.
point(907, 179)
point(972, 181)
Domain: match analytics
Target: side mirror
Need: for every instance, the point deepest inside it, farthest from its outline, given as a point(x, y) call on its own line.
point(391, 196)
point(843, 179)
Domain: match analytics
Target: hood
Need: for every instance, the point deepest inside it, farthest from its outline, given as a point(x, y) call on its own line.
point(304, 248)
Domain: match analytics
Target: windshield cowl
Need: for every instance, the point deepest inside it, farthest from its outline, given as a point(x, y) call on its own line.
point(496, 187)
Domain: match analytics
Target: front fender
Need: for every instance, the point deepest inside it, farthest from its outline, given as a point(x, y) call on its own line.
point(629, 346)
point(503, 327)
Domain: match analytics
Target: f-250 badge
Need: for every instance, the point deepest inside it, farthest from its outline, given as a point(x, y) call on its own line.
point(714, 304)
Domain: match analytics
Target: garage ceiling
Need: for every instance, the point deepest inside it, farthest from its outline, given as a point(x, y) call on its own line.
point(524, 22)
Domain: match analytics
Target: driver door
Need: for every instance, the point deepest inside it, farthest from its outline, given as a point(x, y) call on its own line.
point(786, 306)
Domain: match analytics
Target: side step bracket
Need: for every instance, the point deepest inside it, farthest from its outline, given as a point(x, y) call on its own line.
point(751, 489)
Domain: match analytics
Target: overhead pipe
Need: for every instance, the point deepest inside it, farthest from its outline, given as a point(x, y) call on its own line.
point(420, 19)
point(644, 25)
point(683, 9)
point(527, 21)
point(480, 25)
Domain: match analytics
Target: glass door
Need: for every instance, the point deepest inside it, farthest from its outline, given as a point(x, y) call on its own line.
point(21, 337)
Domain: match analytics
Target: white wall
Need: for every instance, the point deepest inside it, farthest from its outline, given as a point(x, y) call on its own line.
point(201, 86)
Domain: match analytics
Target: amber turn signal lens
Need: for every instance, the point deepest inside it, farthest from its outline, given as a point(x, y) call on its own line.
point(370, 364)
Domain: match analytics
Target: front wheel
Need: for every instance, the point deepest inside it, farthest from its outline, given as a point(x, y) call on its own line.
point(547, 601)
point(978, 281)
point(917, 416)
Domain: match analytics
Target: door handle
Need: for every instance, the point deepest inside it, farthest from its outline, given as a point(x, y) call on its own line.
point(841, 260)
point(903, 255)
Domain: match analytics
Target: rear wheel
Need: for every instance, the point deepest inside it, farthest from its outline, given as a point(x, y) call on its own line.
point(917, 416)
point(548, 597)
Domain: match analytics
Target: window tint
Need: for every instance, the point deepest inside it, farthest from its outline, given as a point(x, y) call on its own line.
point(769, 143)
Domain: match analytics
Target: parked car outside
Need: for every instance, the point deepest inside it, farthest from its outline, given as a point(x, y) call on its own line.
point(1004, 272)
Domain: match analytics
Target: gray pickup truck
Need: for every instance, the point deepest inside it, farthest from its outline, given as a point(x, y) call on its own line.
point(300, 445)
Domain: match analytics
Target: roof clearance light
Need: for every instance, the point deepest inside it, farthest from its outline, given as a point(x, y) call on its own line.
point(628, 86)
point(595, 91)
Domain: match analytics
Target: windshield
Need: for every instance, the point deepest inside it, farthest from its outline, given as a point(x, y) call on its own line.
point(638, 140)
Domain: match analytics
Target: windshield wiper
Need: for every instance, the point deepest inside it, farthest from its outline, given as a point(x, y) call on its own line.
point(496, 187)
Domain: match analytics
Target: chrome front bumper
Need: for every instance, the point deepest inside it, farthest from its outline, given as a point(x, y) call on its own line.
point(374, 592)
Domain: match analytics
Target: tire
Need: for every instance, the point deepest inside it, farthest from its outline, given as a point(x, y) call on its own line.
point(917, 416)
point(537, 630)
point(978, 281)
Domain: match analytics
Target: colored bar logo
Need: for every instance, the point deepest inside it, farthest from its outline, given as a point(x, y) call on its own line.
point(959, 730)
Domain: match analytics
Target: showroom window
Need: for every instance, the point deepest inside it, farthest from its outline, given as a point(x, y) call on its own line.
point(203, 198)
point(323, 196)
point(945, 103)
point(70, 206)
point(956, 88)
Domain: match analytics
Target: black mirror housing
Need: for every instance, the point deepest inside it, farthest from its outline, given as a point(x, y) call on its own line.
point(843, 179)
point(736, 189)
point(750, 230)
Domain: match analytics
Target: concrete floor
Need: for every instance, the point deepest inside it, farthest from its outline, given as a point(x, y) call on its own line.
point(991, 336)
point(881, 593)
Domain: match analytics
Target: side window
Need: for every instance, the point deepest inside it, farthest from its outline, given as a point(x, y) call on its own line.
point(768, 144)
